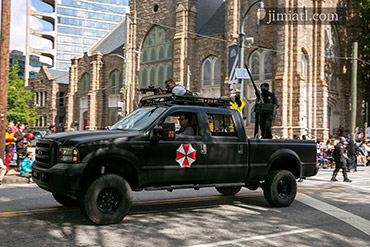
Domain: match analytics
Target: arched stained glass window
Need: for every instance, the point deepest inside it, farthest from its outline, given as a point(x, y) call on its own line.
point(156, 61)
point(211, 72)
point(144, 77)
point(255, 66)
point(85, 84)
point(267, 66)
point(115, 82)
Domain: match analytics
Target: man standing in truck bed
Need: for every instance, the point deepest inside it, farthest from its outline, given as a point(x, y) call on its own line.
point(176, 90)
point(267, 117)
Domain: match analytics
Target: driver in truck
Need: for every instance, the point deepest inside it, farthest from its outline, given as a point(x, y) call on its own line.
point(186, 128)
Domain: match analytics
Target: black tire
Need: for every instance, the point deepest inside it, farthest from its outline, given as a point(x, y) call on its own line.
point(65, 200)
point(229, 191)
point(280, 188)
point(106, 199)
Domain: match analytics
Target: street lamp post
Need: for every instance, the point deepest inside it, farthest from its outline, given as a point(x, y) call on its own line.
point(260, 15)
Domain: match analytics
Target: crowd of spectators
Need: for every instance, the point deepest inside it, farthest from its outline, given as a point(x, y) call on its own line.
point(358, 153)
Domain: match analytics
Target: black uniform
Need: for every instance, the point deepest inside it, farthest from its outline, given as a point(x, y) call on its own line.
point(340, 162)
point(266, 118)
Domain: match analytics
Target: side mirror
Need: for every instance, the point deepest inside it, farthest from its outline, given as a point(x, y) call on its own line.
point(168, 131)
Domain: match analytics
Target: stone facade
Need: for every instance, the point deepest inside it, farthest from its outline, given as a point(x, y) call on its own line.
point(300, 69)
point(97, 107)
point(49, 97)
point(299, 60)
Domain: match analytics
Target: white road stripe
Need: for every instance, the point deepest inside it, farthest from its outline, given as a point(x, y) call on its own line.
point(235, 241)
point(349, 218)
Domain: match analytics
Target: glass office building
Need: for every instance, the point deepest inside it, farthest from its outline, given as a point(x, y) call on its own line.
point(78, 24)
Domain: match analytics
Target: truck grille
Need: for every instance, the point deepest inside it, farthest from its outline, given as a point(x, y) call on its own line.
point(46, 153)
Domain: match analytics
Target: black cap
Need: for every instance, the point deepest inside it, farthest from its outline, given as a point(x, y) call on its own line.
point(25, 123)
point(265, 85)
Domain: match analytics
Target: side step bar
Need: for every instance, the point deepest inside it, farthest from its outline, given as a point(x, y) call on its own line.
point(193, 186)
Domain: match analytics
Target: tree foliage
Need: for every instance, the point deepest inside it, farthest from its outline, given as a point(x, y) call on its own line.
point(364, 20)
point(18, 97)
point(364, 48)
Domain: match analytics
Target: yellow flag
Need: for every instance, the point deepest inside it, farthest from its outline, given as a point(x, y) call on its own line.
point(237, 107)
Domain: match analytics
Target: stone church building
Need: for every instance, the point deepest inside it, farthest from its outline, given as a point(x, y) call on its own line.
point(189, 40)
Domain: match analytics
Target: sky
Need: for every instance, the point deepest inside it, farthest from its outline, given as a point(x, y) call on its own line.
point(18, 26)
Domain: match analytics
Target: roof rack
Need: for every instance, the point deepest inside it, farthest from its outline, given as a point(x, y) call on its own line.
point(170, 99)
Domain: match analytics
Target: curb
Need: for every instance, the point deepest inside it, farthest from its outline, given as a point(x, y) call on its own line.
point(14, 179)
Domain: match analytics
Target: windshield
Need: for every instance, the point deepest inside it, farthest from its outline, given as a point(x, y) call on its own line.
point(139, 119)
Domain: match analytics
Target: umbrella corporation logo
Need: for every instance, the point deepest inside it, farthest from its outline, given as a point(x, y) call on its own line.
point(303, 16)
point(185, 155)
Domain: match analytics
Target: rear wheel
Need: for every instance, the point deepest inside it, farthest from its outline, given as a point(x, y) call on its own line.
point(280, 188)
point(229, 191)
point(65, 200)
point(107, 199)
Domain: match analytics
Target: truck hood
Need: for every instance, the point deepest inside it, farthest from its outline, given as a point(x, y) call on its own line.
point(78, 137)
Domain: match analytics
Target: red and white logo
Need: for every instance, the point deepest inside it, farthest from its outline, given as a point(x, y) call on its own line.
point(185, 155)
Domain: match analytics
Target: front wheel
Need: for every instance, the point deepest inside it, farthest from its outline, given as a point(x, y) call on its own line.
point(229, 191)
point(107, 199)
point(280, 188)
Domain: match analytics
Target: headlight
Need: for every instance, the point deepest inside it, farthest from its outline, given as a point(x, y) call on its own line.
point(68, 155)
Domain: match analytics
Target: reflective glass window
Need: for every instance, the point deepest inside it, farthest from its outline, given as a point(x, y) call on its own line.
point(63, 66)
point(62, 56)
point(94, 24)
point(88, 41)
point(70, 30)
point(94, 33)
point(69, 39)
point(70, 21)
point(69, 48)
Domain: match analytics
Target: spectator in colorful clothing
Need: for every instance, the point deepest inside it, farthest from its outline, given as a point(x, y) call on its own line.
point(21, 152)
point(26, 166)
point(9, 145)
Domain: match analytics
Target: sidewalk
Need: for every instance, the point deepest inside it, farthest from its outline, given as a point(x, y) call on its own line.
point(13, 177)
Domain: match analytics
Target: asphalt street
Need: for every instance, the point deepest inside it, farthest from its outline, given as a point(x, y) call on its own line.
point(324, 214)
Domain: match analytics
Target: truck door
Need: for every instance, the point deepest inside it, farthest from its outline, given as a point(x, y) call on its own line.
point(180, 160)
point(226, 147)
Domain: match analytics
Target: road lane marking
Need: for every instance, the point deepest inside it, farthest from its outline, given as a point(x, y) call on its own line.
point(156, 202)
point(37, 211)
point(349, 218)
point(261, 237)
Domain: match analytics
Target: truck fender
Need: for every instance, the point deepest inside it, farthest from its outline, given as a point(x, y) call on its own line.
point(286, 153)
point(102, 152)
point(123, 154)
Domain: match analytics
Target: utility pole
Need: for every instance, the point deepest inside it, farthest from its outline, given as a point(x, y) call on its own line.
point(4, 70)
point(354, 89)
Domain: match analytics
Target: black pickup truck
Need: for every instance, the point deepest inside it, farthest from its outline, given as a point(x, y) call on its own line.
point(98, 170)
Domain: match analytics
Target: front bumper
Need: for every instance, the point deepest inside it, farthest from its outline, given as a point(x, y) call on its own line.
point(62, 178)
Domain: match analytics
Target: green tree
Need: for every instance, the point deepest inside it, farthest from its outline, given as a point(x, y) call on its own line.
point(364, 20)
point(364, 48)
point(18, 97)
